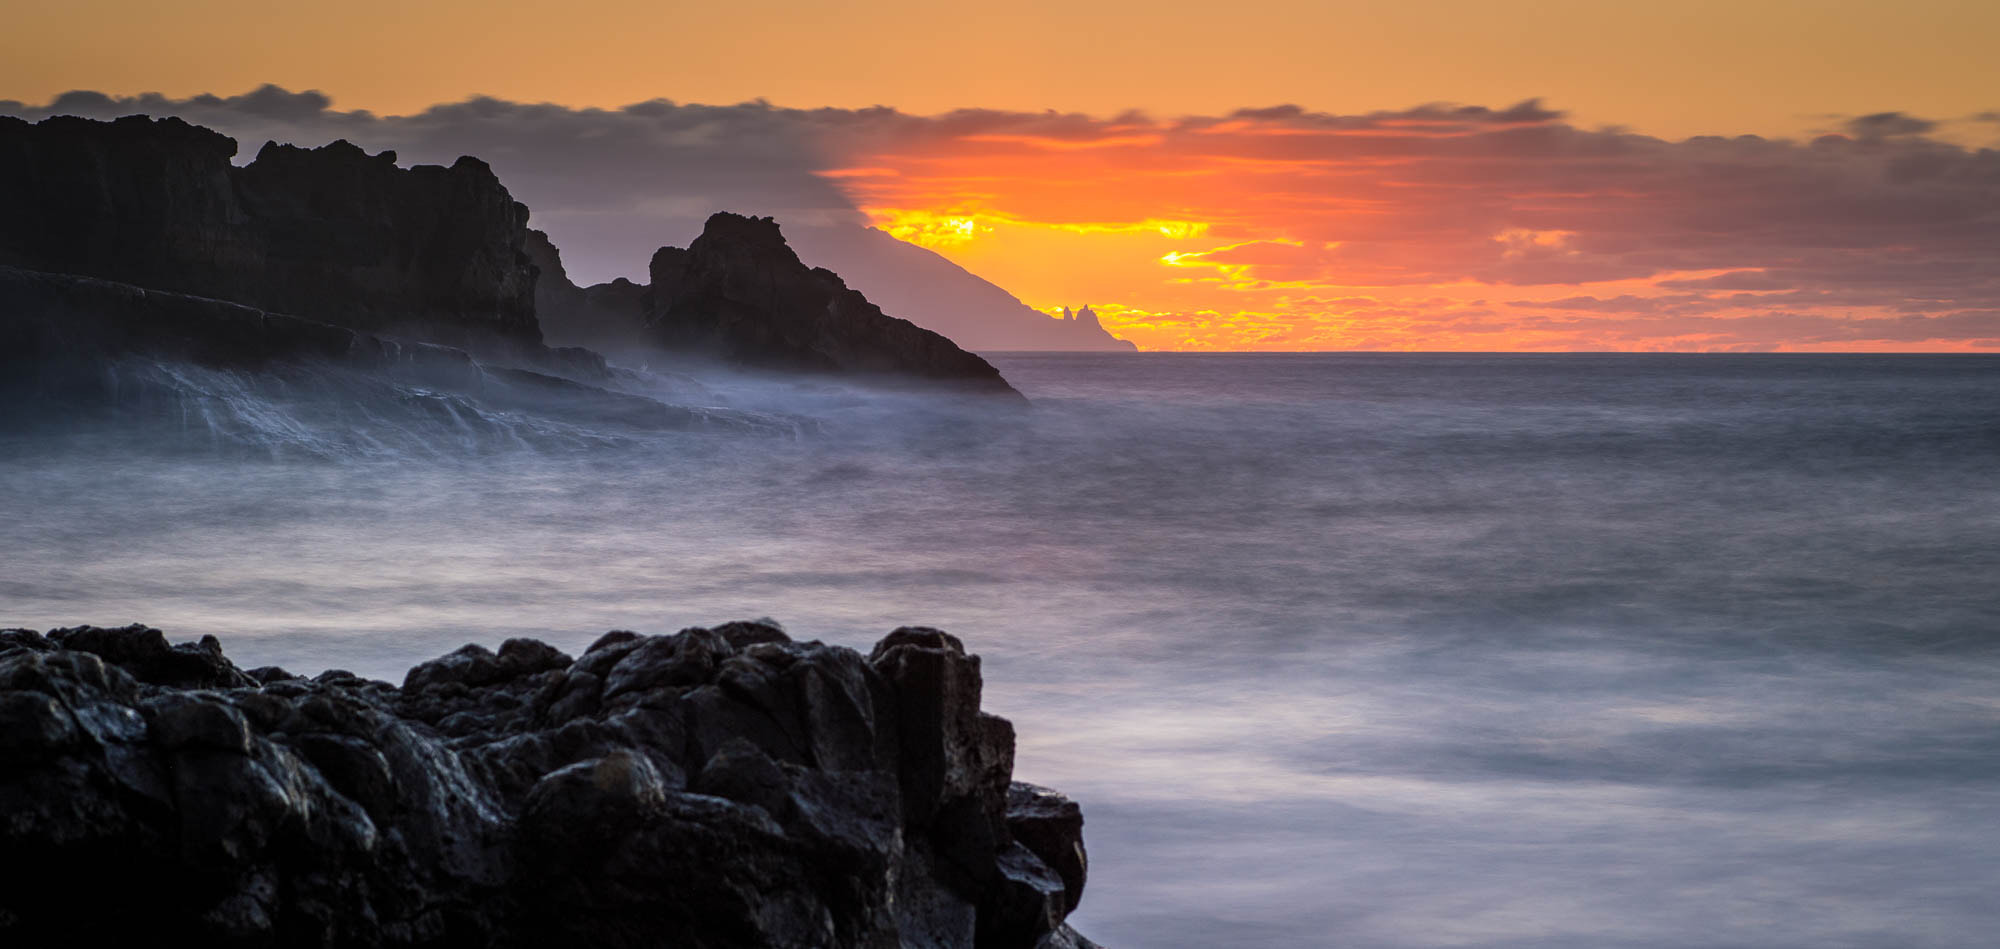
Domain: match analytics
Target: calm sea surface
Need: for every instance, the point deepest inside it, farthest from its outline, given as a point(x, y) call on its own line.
point(1336, 650)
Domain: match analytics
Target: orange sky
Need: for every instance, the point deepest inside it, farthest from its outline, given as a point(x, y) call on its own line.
point(1470, 229)
point(1665, 68)
point(1355, 221)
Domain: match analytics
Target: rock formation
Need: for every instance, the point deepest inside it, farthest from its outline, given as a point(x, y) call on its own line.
point(431, 254)
point(330, 234)
point(738, 294)
point(913, 282)
point(1083, 317)
point(723, 787)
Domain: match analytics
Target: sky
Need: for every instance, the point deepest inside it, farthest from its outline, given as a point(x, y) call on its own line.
point(1259, 175)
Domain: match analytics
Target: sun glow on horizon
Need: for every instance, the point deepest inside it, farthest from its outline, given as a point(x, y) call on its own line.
point(942, 228)
point(1441, 228)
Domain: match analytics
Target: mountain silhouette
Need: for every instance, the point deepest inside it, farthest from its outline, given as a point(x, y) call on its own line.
point(926, 288)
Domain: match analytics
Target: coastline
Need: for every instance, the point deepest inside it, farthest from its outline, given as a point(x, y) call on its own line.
point(715, 787)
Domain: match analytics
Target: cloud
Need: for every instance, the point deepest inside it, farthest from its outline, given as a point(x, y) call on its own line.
point(1861, 232)
point(1888, 124)
point(1601, 237)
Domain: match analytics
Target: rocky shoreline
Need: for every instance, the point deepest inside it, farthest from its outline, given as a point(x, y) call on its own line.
point(724, 787)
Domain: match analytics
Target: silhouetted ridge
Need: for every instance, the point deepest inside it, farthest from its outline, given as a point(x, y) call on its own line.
point(939, 295)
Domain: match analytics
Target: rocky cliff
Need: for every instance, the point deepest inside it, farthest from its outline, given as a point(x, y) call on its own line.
point(723, 787)
point(428, 253)
point(738, 294)
point(330, 234)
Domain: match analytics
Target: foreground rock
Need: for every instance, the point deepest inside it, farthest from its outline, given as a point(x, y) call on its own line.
point(739, 295)
point(721, 787)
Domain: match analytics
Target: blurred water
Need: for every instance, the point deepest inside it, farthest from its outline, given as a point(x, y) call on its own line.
point(1336, 650)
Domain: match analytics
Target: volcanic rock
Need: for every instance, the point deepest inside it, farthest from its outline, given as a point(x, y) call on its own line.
point(715, 788)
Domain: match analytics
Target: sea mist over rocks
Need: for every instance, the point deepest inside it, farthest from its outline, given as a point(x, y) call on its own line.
point(1369, 650)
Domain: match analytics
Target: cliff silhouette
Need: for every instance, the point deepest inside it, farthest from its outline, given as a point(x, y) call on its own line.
point(331, 234)
point(738, 293)
point(336, 237)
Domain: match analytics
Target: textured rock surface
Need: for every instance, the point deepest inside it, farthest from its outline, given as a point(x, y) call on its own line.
point(739, 294)
point(330, 234)
point(721, 787)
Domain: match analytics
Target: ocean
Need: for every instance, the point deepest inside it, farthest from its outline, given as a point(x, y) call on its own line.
point(1345, 650)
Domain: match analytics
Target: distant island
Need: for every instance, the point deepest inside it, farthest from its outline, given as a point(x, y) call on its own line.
point(925, 286)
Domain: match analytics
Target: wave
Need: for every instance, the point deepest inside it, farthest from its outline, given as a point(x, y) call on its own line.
point(328, 412)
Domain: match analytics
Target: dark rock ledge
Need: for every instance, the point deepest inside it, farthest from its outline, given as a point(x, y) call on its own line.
point(63, 338)
point(722, 787)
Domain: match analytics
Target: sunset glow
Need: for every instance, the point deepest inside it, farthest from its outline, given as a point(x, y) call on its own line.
point(1448, 228)
point(1055, 474)
point(1511, 179)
